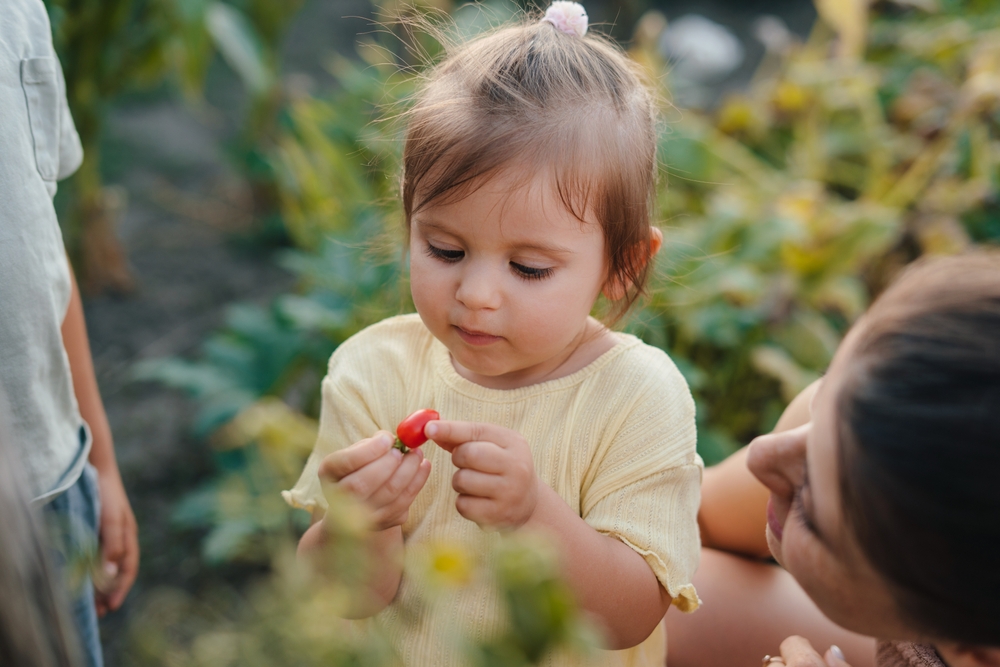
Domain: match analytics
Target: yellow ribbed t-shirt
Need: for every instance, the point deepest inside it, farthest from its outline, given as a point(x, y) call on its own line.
point(615, 440)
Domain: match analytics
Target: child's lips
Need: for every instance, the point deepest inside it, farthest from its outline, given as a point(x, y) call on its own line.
point(477, 337)
point(772, 521)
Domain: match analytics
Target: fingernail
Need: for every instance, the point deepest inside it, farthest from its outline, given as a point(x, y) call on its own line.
point(384, 440)
point(111, 569)
point(420, 453)
point(395, 452)
point(430, 430)
point(837, 653)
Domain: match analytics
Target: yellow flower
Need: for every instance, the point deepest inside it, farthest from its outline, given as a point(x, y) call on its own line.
point(737, 116)
point(790, 98)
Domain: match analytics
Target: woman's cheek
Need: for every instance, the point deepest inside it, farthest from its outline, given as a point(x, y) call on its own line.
point(806, 560)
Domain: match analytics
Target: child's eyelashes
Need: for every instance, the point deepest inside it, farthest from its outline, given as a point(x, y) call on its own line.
point(444, 255)
point(530, 272)
point(520, 270)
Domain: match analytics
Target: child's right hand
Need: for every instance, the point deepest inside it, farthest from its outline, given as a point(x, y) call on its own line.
point(377, 473)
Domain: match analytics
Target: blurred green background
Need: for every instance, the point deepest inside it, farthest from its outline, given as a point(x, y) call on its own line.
point(235, 220)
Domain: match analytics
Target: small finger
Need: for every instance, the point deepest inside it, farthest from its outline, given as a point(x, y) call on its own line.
point(399, 480)
point(474, 483)
point(450, 434)
point(478, 455)
point(418, 481)
point(474, 509)
point(400, 506)
point(335, 467)
point(798, 652)
point(366, 481)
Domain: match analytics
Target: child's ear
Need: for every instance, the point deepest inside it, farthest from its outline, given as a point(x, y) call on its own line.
point(615, 288)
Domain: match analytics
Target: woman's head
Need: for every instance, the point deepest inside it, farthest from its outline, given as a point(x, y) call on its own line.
point(887, 506)
point(532, 104)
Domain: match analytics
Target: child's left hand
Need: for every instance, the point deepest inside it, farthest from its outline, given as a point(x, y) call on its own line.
point(496, 478)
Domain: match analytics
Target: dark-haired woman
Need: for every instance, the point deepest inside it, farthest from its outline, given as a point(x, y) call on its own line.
point(884, 504)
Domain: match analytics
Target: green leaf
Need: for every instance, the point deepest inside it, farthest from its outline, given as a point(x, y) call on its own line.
point(239, 44)
point(228, 539)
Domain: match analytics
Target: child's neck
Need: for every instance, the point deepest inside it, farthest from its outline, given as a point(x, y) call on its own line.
point(594, 340)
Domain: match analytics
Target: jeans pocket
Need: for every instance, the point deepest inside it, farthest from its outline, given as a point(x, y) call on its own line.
point(41, 90)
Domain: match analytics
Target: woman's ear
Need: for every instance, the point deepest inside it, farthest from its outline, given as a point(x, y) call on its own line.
point(615, 288)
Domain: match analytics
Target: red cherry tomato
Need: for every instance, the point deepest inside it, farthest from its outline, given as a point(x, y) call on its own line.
point(410, 432)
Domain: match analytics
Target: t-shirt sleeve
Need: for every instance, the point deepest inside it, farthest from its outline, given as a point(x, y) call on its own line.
point(647, 486)
point(344, 419)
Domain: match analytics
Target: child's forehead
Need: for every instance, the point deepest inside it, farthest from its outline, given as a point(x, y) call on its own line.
point(517, 201)
point(524, 188)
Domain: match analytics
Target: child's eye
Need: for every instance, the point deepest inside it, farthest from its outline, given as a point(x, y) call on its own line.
point(449, 256)
point(530, 272)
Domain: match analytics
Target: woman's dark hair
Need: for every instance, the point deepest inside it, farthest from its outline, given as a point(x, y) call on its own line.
point(35, 628)
point(920, 445)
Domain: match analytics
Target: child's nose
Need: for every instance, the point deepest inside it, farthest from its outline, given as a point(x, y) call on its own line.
point(479, 288)
point(778, 460)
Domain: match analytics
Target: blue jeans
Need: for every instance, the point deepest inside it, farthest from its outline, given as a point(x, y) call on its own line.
point(72, 518)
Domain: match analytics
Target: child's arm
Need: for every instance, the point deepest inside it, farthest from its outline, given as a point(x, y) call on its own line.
point(732, 516)
point(117, 532)
point(498, 488)
point(387, 481)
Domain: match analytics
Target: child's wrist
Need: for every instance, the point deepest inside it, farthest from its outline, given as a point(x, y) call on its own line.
point(537, 493)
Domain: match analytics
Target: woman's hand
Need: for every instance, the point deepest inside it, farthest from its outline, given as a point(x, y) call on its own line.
point(798, 652)
point(496, 479)
point(382, 476)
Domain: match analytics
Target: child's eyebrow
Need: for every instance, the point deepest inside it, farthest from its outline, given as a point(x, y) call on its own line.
point(542, 247)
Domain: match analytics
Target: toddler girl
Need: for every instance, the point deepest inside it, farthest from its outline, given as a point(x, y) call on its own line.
point(529, 167)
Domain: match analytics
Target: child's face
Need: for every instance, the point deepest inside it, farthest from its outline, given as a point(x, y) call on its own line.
point(506, 278)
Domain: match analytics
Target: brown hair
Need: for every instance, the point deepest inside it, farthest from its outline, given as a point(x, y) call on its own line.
point(532, 96)
point(920, 445)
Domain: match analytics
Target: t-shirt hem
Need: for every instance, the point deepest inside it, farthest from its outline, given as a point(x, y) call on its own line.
point(73, 471)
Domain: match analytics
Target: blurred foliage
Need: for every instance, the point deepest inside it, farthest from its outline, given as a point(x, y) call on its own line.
point(110, 47)
point(107, 47)
point(799, 199)
point(786, 210)
point(294, 615)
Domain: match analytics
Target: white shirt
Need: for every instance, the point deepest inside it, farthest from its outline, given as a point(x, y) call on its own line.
point(38, 146)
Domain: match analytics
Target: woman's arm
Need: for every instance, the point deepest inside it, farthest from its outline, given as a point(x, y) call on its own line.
point(733, 503)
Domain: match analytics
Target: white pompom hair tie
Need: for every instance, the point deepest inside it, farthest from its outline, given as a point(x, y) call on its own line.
point(567, 17)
